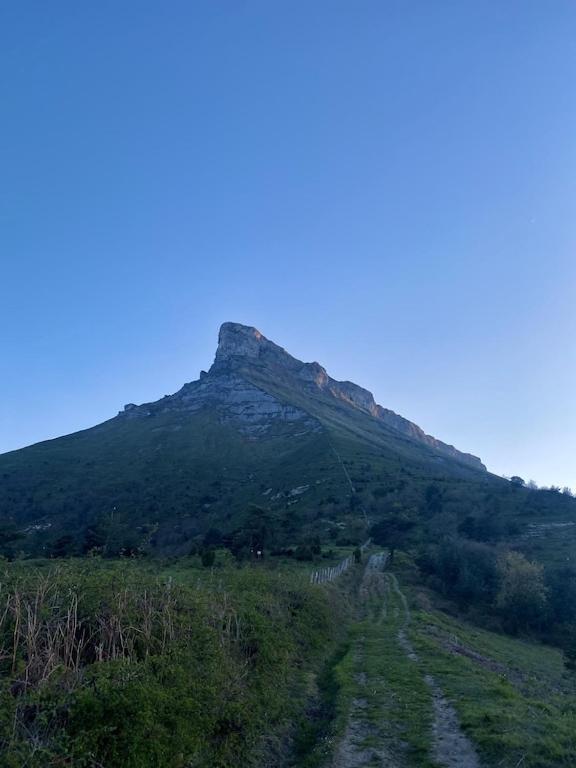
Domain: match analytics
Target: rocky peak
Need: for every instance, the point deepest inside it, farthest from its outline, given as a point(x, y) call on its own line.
point(235, 340)
point(242, 347)
point(244, 380)
point(241, 344)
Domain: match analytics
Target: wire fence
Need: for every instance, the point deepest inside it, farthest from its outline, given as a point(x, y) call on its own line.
point(331, 572)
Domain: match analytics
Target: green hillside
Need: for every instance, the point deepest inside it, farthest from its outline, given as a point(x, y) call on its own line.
point(319, 457)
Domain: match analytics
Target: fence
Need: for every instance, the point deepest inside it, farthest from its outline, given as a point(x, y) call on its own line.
point(331, 572)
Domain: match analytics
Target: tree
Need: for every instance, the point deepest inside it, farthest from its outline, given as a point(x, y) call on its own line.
point(433, 498)
point(561, 584)
point(515, 480)
point(111, 536)
point(9, 536)
point(63, 547)
point(464, 570)
point(485, 527)
point(251, 539)
point(316, 546)
point(213, 538)
point(208, 558)
point(522, 595)
point(303, 553)
point(393, 532)
point(570, 649)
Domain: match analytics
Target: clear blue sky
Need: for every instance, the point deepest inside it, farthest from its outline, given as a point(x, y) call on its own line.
point(386, 186)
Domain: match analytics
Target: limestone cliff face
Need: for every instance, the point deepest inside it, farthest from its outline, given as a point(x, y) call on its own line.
point(230, 395)
point(242, 388)
point(236, 340)
point(241, 346)
point(235, 399)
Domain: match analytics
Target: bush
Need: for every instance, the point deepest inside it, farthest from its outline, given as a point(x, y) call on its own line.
point(464, 570)
point(208, 558)
point(521, 597)
point(303, 553)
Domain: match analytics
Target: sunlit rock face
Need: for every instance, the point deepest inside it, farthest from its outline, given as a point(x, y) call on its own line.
point(241, 346)
point(235, 340)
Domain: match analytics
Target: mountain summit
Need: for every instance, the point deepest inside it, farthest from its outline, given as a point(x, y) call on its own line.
point(249, 368)
point(260, 427)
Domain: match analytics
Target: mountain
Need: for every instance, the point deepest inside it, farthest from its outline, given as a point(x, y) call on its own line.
point(319, 456)
point(255, 384)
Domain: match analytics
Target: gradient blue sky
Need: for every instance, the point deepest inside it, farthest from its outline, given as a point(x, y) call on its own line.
point(386, 186)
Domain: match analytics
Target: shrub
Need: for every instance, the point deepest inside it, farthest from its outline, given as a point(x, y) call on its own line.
point(521, 597)
point(208, 558)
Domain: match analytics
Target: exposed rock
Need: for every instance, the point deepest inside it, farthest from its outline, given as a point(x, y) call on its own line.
point(243, 351)
point(241, 346)
point(236, 340)
point(235, 399)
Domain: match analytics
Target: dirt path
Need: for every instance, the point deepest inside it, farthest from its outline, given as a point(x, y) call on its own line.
point(361, 745)
point(451, 747)
point(378, 722)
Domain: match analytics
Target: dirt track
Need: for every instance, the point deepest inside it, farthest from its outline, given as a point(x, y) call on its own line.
point(364, 743)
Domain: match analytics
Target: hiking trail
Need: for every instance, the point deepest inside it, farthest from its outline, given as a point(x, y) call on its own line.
point(398, 714)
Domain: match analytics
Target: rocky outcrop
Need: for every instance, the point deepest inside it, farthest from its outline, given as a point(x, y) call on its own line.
point(234, 399)
point(236, 340)
point(238, 400)
point(241, 346)
point(244, 356)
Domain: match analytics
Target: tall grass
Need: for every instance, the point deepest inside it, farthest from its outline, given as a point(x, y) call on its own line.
point(128, 666)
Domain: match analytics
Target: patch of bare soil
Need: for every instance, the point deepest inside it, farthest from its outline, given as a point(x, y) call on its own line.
point(451, 747)
point(352, 750)
point(453, 645)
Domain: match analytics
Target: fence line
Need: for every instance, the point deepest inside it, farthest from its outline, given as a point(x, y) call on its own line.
point(331, 572)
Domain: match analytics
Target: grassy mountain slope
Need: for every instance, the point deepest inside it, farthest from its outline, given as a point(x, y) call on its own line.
point(168, 480)
point(261, 428)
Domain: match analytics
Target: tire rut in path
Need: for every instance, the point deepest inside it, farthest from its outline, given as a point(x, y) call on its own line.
point(360, 745)
point(451, 748)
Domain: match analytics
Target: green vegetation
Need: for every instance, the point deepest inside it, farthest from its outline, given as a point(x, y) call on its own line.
point(155, 664)
point(390, 702)
point(502, 589)
point(514, 697)
point(225, 654)
point(158, 479)
point(138, 664)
